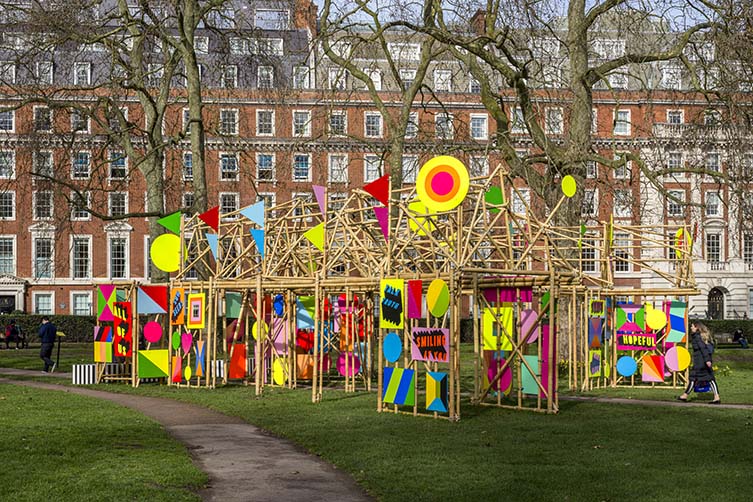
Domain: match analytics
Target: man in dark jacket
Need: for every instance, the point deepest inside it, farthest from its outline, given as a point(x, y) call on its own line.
point(47, 333)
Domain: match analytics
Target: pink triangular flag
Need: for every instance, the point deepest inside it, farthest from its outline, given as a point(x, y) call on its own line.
point(380, 189)
point(382, 218)
point(319, 193)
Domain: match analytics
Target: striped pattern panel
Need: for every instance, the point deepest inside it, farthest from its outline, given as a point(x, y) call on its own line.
point(399, 387)
point(84, 374)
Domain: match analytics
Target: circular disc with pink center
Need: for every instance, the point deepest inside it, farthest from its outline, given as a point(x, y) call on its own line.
point(354, 364)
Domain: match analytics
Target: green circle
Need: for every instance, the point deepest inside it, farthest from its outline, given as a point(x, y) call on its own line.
point(176, 340)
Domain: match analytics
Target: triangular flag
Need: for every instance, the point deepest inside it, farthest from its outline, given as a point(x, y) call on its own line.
point(316, 236)
point(212, 240)
point(171, 222)
point(255, 213)
point(212, 218)
point(380, 189)
point(151, 300)
point(321, 199)
point(382, 218)
point(258, 236)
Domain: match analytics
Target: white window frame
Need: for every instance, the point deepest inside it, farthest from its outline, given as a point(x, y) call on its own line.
point(293, 162)
point(710, 166)
point(375, 75)
point(622, 208)
point(35, 202)
point(681, 114)
point(201, 44)
point(271, 115)
point(221, 156)
point(7, 67)
point(273, 174)
point(86, 294)
point(127, 238)
point(236, 123)
point(409, 168)
point(592, 170)
point(306, 130)
point(448, 118)
point(301, 77)
point(37, 236)
point(14, 247)
point(517, 121)
point(380, 125)
point(442, 80)
point(229, 81)
point(121, 156)
point(34, 301)
point(593, 194)
point(411, 129)
point(82, 66)
point(337, 78)
point(675, 209)
point(88, 216)
point(186, 154)
point(341, 159)
point(344, 115)
point(622, 127)
point(89, 257)
point(12, 122)
point(484, 129)
point(554, 121)
point(478, 165)
point(265, 77)
point(52, 119)
point(236, 196)
point(73, 164)
point(717, 211)
point(110, 202)
point(11, 154)
point(13, 202)
point(407, 76)
point(373, 161)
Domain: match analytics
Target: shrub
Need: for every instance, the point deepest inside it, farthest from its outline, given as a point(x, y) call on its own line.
point(76, 328)
point(729, 326)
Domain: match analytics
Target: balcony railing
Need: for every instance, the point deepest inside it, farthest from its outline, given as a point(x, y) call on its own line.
point(700, 131)
point(717, 265)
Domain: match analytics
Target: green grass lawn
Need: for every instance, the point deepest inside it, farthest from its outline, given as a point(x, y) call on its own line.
point(70, 354)
point(59, 446)
point(589, 451)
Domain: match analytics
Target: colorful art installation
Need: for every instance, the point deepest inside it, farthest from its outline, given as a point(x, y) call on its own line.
point(254, 213)
point(315, 235)
point(442, 183)
point(594, 364)
point(436, 391)
point(569, 186)
point(212, 218)
point(640, 341)
point(238, 361)
point(258, 236)
point(656, 319)
point(320, 193)
point(153, 363)
point(214, 243)
point(548, 365)
point(399, 386)
point(278, 304)
point(497, 330)
point(652, 368)
point(177, 307)
point(152, 332)
point(392, 301)
point(420, 223)
point(630, 318)
point(200, 351)
point(304, 316)
point(106, 298)
point(392, 347)
point(123, 326)
point(677, 358)
point(430, 344)
point(677, 313)
point(415, 299)
point(103, 337)
point(165, 252)
point(177, 369)
point(626, 366)
point(196, 316)
point(348, 364)
point(528, 378)
point(151, 299)
point(595, 332)
point(186, 341)
point(438, 298)
point(280, 335)
point(380, 189)
point(172, 222)
point(597, 308)
point(529, 325)
point(279, 373)
point(494, 197)
point(504, 382)
point(382, 216)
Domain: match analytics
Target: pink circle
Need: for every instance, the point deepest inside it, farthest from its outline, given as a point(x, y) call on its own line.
point(354, 364)
point(152, 332)
point(442, 183)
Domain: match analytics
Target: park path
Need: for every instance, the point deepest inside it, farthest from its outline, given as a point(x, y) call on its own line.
point(243, 462)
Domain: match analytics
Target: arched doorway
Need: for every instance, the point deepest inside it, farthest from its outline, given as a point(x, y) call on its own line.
point(716, 304)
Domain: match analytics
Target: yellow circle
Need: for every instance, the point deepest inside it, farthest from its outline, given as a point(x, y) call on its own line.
point(438, 298)
point(254, 330)
point(420, 225)
point(683, 358)
point(165, 252)
point(656, 319)
point(278, 371)
point(188, 373)
point(442, 168)
point(569, 187)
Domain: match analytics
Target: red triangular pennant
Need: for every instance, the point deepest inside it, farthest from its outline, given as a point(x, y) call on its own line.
point(212, 218)
point(380, 189)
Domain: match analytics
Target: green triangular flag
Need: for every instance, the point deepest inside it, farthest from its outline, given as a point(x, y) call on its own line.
point(171, 222)
point(316, 236)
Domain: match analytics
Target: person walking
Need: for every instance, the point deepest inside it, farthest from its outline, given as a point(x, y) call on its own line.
point(12, 335)
point(702, 370)
point(47, 334)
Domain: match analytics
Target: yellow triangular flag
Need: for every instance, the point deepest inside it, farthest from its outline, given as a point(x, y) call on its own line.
point(316, 236)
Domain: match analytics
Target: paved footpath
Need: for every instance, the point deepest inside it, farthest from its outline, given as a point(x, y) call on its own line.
point(243, 462)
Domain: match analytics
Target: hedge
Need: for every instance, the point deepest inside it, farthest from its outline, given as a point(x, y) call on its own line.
point(729, 326)
point(77, 328)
